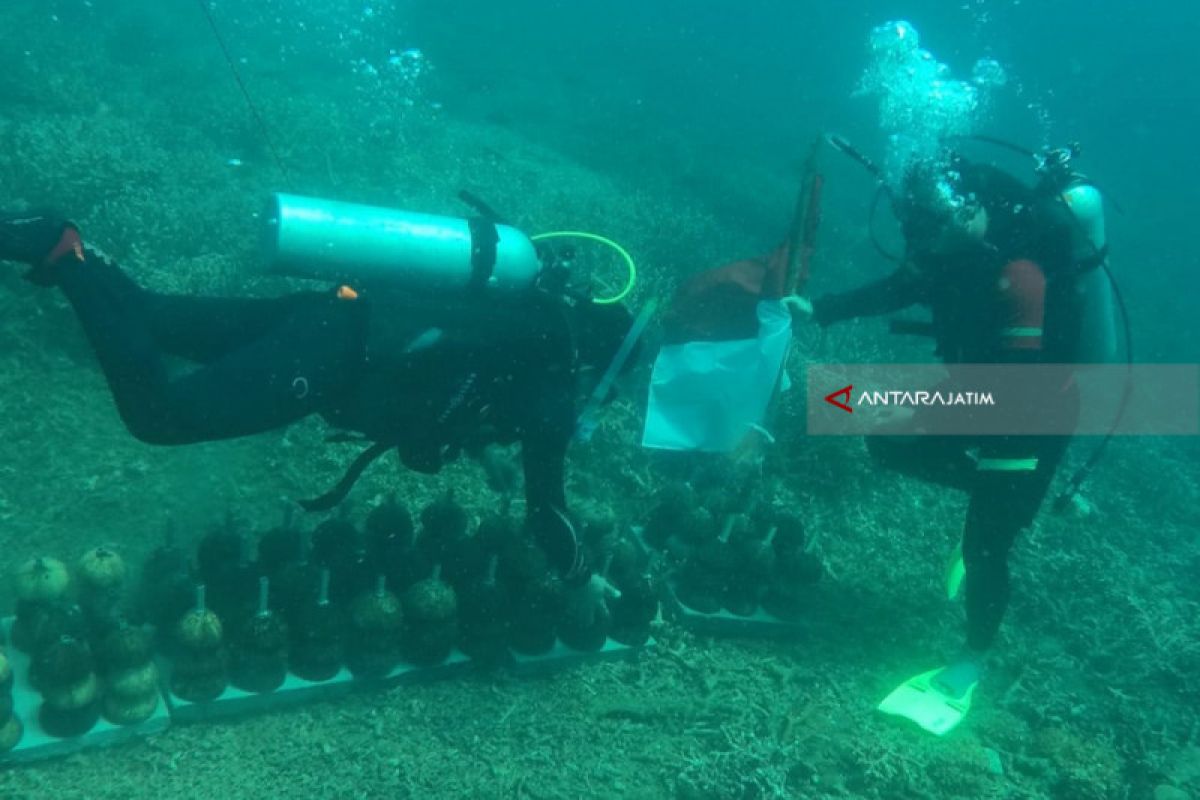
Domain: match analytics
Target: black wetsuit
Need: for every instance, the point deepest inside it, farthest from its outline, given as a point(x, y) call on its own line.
point(429, 378)
point(1009, 300)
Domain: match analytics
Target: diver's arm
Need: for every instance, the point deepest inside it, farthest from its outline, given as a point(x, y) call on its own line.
point(899, 290)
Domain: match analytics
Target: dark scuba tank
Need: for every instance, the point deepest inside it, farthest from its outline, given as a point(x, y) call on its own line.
point(344, 242)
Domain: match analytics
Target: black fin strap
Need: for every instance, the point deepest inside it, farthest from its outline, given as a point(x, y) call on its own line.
point(338, 493)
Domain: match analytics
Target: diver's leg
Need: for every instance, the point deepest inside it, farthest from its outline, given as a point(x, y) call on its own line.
point(999, 509)
point(36, 238)
point(204, 329)
point(938, 459)
point(270, 362)
point(198, 329)
point(1008, 491)
point(310, 356)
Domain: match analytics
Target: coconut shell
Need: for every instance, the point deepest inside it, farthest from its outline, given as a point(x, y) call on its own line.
point(101, 570)
point(496, 532)
point(10, 734)
point(317, 624)
point(430, 600)
point(670, 513)
point(316, 649)
point(127, 646)
point(372, 654)
point(257, 672)
point(634, 610)
point(465, 563)
point(294, 587)
point(78, 695)
point(404, 568)
point(584, 635)
point(279, 547)
point(133, 682)
point(189, 664)
point(389, 529)
point(522, 563)
point(42, 580)
point(263, 634)
point(429, 643)
point(66, 723)
point(129, 710)
point(536, 613)
point(315, 661)
point(376, 611)
point(219, 550)
point(200, 630)
point(443, 520)
point(200, 688)
point(38, 625)
point(530, 637)
point(335, 545)
point(62, 664)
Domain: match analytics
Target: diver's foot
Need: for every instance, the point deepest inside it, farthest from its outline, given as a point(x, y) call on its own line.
point(958, 678)
point(38, 239)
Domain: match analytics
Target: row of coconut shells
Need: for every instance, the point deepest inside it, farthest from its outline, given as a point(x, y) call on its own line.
point(87, 658)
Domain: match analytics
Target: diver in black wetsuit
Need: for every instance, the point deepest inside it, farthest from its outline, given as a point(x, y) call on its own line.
point(431, 380)
point(998, 276)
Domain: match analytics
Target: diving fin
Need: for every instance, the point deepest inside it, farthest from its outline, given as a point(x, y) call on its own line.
point(956, 570)
point(919, 699)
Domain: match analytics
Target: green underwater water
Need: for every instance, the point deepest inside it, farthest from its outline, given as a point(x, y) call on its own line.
point(678, 129)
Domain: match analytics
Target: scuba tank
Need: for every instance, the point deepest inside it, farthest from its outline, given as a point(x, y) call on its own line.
point(1098, 331)
point(345, 242)
point(1089, 253)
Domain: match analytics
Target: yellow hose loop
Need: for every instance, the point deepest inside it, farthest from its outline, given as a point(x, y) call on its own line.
point(631, 279)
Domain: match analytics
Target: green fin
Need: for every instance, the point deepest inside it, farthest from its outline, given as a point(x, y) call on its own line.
point(919, 700)
point(956, 570)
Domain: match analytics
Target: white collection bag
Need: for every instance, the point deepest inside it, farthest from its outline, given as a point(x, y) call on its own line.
point(708, 396)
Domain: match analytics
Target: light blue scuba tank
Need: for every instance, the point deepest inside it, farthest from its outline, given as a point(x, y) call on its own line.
point(310, 237)
point(1098, 333)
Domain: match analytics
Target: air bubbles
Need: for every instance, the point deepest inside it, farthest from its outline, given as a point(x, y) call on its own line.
point(988, 72)
point(896, 39)
point(921, 104)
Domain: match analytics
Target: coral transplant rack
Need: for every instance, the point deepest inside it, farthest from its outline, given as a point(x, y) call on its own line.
point(36, 744)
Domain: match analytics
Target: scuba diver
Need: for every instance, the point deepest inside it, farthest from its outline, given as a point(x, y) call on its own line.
point(1008, 272)
point(430, 376)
